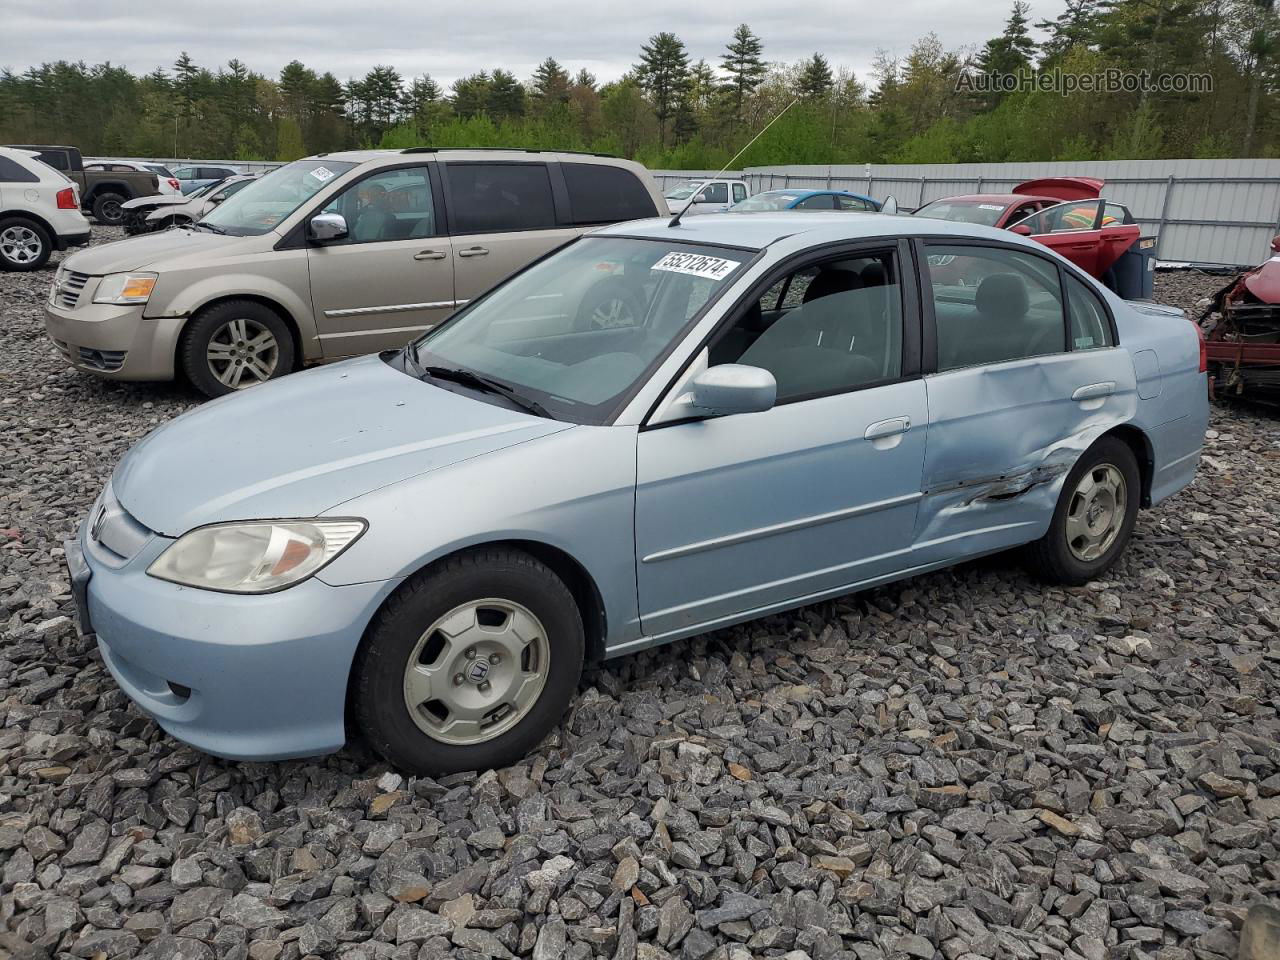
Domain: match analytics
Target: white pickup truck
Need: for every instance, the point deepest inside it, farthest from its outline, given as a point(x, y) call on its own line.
point(713, 196)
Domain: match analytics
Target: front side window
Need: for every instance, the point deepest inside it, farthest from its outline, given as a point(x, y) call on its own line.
point(715, 193)
point(266, 202)
point(546, 333)
point(991, 304)
point(1064, 217)
point(826, 328)
point(392, 205)
point(499, 197)
point(599, 193)
point(185, 173)
point(1090, 328)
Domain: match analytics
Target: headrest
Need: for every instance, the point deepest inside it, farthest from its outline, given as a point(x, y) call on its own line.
point(1002, 297)
point(832, 281)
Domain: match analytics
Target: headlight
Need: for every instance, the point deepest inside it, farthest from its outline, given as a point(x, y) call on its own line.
point(125, 288)
point(254, 556)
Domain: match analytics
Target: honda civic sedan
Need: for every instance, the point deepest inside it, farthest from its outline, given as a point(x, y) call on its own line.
point(426, 545)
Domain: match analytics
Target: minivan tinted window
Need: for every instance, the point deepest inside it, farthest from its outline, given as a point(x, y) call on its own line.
point(604, 194)
point(495, 197)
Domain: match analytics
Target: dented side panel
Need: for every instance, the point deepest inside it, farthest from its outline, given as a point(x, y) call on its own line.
point(1002, 439)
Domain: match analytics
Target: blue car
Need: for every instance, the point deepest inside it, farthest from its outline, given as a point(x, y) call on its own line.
point(426, 545)
point(775, 200)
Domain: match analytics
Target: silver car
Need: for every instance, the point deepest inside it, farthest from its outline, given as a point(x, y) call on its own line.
point(427, 545)
point(336, 256)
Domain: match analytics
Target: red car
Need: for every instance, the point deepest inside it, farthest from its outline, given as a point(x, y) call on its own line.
point(1064, 213)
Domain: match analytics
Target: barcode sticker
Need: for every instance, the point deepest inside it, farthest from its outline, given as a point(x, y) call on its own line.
point(697, 265)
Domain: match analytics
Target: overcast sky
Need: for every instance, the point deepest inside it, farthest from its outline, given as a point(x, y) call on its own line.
point(450, 38)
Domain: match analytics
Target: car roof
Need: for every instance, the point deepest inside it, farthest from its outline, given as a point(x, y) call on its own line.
point(1008, 199)
point(813, 227)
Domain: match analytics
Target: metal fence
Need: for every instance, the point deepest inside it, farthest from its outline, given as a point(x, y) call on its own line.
point(1210, 212)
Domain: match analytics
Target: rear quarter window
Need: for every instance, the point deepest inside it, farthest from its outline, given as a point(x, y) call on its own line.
point(13, 172)
point(599, 193)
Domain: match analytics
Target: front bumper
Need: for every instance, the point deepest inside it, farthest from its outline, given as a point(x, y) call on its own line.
point(242, 677)
point(114, 341)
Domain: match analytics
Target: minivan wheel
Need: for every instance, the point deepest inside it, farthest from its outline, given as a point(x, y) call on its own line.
point(107, 208)
point(1094, 518)
point(24, 244)
point(469, 664)
point(235, 345)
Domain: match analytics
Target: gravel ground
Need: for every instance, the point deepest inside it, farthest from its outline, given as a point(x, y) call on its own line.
point(967, 764)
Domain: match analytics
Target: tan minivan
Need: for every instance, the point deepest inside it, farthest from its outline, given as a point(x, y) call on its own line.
point(335, 256)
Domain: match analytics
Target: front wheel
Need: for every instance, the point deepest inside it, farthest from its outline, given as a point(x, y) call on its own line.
point(235, 345)
point(469, 665)
point(1094, 517)
point(24, 244)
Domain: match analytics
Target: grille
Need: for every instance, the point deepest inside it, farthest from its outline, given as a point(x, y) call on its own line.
point(107, 361)
point(66, 292)
point(114, 530)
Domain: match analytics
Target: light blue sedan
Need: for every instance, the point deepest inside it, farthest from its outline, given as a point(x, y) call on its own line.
point(427, 545)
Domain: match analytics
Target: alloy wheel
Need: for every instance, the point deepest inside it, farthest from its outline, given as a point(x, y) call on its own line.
point(614, 312)
point(476, 672)
point(20, 244)
point(1096, 512)
point(242, 353)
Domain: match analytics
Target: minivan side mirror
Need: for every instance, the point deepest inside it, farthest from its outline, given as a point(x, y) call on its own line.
point(729, 388)
point(1021, 229)
point(327, 227)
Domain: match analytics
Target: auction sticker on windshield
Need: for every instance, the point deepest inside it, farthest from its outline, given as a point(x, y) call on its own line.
point(990, 206)
point(322, 174)
point(697, 265)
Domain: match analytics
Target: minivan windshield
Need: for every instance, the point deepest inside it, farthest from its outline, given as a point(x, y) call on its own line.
point(575, 334)
point(260, 206)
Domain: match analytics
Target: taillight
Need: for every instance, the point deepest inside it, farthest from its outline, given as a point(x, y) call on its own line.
point(1204, 349)
point(174, 183)
point(67, 199)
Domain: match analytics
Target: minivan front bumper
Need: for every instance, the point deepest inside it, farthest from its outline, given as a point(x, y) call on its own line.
point(114, 341)
point(243, 677)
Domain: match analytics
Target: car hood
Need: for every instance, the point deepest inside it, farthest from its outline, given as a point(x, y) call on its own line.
point(138, 253)
point(155, 200)
point(301, 445)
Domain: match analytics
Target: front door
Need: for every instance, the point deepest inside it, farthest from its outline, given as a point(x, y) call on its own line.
point(391, 278)
point(739, 514)
point(1026, 379)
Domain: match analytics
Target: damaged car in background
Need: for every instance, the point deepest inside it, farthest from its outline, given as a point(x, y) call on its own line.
point(1242, 332)
point(427, 544)
point(159, 212)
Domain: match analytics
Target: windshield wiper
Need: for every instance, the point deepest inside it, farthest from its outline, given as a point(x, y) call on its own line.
point(201, 225)
point(469, 378)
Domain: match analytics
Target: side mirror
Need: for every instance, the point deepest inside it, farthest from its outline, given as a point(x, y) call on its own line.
point(701, 198)
point(729, 388)
point(327, 227)
point(1021, 229)
point(1275, 244)
point(216, 200)
point(890, 204)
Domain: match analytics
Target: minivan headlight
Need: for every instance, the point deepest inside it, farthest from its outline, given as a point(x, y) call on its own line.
point(254, 556)
point(125, 288)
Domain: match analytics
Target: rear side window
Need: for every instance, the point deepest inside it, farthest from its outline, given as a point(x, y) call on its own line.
point(1114, 214)
point(853, 203)
point(13, 172)
point(496, 197)
point(603, 194)
point(56, 159)
point(1090, 328)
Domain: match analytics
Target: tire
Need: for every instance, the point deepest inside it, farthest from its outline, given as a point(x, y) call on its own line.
point(24, 244)
point(1077, 548)
point(107, 210)
point(612, 303)
point(434, 736)
point(234, 345)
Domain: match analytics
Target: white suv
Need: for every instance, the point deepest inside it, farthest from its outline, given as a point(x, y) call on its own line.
point(39, 211)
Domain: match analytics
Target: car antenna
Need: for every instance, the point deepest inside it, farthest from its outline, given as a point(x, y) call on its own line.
point(675, 221)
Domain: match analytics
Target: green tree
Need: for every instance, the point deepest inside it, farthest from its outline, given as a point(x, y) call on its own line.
point(550, 86)
point(289, 145)
point(815, 80)
point(743, 61)
point(471, 95)
point(507, 96)
point(663, 73)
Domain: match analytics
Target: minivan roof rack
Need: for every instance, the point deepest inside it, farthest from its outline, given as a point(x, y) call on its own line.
point(581, 153)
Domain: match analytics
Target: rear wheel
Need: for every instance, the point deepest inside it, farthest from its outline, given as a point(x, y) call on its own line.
point(24, 244)
point(1094, 518)
point(469, 665)
point(108, 208)
point(235, 345)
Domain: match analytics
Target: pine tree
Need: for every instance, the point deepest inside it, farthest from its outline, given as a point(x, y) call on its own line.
point(1075, 26)
point(663, 74)
point(471, 95)
point(744, 63)
point(506, 96)
point(1013, 49)
point(702, 85)
point(550, 85)
point(815, 80)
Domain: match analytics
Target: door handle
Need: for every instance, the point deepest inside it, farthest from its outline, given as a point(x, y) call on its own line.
point(473, 252)
point(1094, 391)
point(887, 428)
point(430, 255)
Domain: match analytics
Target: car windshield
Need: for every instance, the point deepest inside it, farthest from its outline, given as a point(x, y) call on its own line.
point(260, 206)
point(771, 200)
point(963, 211)
point(577, 333)
point(685, 190)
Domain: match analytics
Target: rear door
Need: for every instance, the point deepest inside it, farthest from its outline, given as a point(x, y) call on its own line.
point(1119, 232)
point(392, 277)
point(502, 215)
